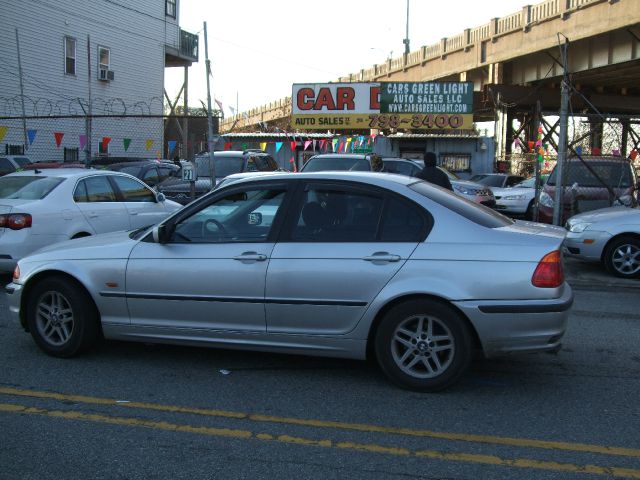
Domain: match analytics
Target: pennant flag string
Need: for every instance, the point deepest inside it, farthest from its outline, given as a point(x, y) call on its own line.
point(3, 131)
point(82, 141)
point(125, 143)
point(58, 136)
point(31, 135)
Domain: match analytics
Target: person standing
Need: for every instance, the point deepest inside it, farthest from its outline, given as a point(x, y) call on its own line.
point(433, 174)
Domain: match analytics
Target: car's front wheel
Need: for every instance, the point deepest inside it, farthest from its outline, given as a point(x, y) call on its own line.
point(61, 317)
point(622, 257)
point(423, 345)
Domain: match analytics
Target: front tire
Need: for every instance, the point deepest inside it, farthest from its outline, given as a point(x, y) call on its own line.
point(62, 318)
point(423, 345)
point(622, 257)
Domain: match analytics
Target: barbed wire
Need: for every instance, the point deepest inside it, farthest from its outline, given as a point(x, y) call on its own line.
point(11, 106)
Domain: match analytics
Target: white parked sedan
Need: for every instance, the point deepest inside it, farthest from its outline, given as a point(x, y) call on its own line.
point(41, 207)
point(610, 236)
point(518, 199)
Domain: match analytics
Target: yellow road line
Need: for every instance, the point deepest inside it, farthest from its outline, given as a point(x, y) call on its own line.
point(464, 437)
point(326, 443)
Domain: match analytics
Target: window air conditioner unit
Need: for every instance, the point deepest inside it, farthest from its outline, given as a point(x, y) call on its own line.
point(105, 75)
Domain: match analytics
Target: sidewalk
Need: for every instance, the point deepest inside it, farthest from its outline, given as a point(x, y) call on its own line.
point(592, 276)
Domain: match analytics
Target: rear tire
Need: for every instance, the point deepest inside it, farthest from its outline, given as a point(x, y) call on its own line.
point(622, 257)
point(528, 215)
point(423, 345)
point(62, 318)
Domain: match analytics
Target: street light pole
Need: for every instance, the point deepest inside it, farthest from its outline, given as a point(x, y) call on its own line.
point(209, 118)
point(406, 38)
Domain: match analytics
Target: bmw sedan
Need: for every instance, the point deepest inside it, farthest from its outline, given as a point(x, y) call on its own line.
point(338, 264)
point(41, 207)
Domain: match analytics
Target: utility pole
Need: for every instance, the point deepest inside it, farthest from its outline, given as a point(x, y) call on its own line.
point(24, 119)
point(209, 118)
point(89, 119)
point(406, 38)
point(562, 140)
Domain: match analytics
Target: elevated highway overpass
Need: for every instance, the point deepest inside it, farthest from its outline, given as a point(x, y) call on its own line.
point(515, 65)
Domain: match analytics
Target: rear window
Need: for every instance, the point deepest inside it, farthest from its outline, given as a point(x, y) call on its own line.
point(28, 188)
point(613, 174)
point(474, 212)
point(224, 166)
point(130, 169)
point(322, 164)
point(488, 180)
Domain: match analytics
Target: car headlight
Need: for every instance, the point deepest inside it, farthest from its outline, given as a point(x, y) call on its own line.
point(579, 227)
point(514, 197)
point(546, 200)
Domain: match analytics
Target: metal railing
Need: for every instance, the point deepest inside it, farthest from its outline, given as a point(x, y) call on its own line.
point(189, 45)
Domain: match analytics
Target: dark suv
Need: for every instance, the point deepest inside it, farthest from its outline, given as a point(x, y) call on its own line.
point(614, 183)
point(224, 163)
point(151, 172)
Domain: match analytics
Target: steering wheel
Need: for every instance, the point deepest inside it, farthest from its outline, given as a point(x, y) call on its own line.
point(212, 221)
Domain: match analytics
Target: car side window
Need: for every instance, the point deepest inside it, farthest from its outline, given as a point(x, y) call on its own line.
point(511, 181)
point(6, 166)
point(242, 216)
point(94, 189)
point(151, 176)
point(331, 214)
point(165, 172)
point(402, 222)
point(133, 190)
point(251, 165)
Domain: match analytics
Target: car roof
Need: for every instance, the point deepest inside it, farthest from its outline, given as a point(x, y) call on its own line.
point(343, 155)
point(375, 178)
point(64, 172)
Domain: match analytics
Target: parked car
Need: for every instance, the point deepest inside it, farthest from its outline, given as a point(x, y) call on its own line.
point(471, 191)
point(49, 165)
point(38, 208)
point(354, 162)
point(518, 200)
point(500, 180)
point(610, 236)
point(224, 163)
point(583, 191)
point(234, 177)
point(151, 172)
point(351, 264)
point(13, 163)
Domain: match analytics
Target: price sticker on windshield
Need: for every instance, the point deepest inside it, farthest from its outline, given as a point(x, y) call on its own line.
point(188, 172)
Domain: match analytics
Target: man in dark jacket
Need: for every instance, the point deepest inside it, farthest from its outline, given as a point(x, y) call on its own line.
point(433, 174)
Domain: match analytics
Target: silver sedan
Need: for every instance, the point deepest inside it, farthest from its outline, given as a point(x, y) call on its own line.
point(610, 236)
point(341, 264)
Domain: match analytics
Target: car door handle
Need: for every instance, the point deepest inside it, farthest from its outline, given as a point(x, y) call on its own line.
point(250, 257)
point(133, 213)
point(382, 257)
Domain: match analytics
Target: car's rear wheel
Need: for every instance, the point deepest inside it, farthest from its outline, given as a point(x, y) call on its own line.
point(622, 257)
point(528, 215)
point(62, 318)
point(423, 345)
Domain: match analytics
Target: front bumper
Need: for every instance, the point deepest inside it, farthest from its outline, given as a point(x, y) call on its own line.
point(519, 326)
point(14, 295)
point(512, 206)
point(587, 245)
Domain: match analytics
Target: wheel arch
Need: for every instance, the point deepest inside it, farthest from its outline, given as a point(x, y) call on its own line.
point(613, 239)
point(80, 235)
point(38, 277)
point(399, 300)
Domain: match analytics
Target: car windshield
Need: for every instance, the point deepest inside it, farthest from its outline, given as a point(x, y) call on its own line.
point(27, 187)
point(224, 166)
point(528, 183)
point(613, 174)
point(488, 180)
point(322, 164)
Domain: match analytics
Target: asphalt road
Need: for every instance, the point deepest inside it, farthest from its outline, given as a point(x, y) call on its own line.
point(135, 411)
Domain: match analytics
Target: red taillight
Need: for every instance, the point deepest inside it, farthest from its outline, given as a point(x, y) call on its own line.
point(549, 272)
point(15, 221)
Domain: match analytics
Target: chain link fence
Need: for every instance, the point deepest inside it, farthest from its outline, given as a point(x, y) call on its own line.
point(82, 138)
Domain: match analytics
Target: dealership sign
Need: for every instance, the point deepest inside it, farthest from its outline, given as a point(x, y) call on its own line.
point(401, 105)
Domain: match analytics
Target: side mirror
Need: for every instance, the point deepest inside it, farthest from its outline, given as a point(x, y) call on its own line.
point(162, 233)
point(160, 197)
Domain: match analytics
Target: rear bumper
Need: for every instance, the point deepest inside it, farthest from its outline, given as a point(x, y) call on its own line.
point(519, 326)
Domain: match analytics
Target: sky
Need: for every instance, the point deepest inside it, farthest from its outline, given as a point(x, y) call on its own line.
point(258, 49)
